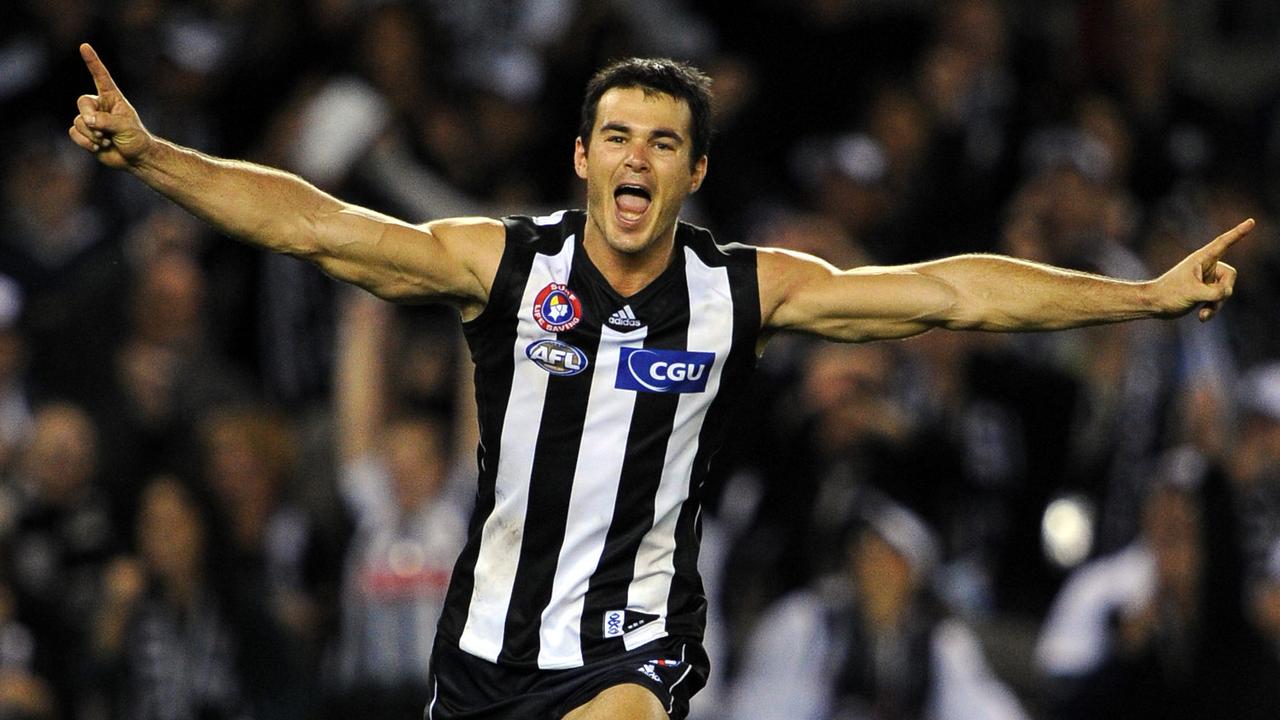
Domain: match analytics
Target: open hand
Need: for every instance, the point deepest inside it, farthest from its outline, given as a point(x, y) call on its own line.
point(1201, 278)
point(107, 125)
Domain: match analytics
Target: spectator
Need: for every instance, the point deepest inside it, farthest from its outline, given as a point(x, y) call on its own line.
point(284, 557)
point(1157, 630)
point(15, 404)
point(869, 641)
point(393, 473)
point(163, 633)
point(58, 547)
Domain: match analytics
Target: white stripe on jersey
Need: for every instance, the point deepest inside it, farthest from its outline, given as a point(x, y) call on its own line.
point(595, 490)
point(503, 533)
point(710, 329)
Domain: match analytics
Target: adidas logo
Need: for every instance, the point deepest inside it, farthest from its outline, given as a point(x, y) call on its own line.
point(624, 318)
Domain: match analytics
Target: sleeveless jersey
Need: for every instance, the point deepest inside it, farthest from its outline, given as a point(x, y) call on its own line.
point(599, 415)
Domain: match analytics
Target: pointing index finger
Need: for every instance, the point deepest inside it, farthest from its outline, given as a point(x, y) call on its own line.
point(101, 78)
point(1219, 245)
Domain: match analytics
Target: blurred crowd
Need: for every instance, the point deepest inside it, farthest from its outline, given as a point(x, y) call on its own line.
point(231, 489)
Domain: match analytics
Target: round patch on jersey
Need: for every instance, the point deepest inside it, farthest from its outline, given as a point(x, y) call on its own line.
point(556, 308)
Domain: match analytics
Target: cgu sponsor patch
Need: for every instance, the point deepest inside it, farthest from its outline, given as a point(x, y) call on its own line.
point(663, 371)
point(557, 358)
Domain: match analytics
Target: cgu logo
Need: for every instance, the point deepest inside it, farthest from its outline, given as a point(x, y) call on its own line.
point(556, 357)
point(663, 371)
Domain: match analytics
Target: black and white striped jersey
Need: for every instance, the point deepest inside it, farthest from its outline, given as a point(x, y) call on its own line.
point(599, 415)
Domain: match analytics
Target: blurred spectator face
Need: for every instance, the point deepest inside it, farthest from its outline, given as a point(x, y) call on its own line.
point(846, 387)
point(1257, 450)
point(1073, 214)
point(735, 82)
point(248, 455)
point(146, 372)
point(1266, 597)
point(393, 54)
point(425, 367)
point(901, 125)
point(1101, 118)
point(415, 453)
point(843, 375)
point(1171, 524)
point(883, 576)
point(817, 235)
point(171, 533)
point(851, 181)
point(63, 452)
point(945, 76)
point(44, 192)
point(12, 346)
point(978, 28)
point(1145, 31)
point(168, 300)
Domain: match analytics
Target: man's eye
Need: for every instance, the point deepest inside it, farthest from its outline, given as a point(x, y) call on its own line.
point(615, 139)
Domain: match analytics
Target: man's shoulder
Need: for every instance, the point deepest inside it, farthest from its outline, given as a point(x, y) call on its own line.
point(704, 244)
point(537, 229)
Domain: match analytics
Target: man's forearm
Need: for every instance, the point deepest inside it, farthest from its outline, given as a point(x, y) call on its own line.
point(1006, 294)
point(257, 204)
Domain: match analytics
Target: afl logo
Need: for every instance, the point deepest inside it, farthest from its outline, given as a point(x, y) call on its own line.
point(556, 308)
point(556, 357)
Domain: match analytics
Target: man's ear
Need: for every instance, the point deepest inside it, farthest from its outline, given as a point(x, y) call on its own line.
point(580, 158)
point(699, 174)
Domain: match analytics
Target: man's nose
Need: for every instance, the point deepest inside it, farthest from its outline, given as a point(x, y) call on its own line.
point(637, 159)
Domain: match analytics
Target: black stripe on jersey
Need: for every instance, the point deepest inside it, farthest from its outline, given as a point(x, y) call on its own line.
point(555, 460)
point(490, 337)
point(687, 604)
point(650, 431)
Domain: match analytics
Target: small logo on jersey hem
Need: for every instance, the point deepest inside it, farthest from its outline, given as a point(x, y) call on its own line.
point(557, 358)
point(557, 308)
point(620, 622)
point(624, 318)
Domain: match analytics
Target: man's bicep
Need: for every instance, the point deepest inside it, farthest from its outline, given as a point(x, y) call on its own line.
point(444, 261)
point(805, 294)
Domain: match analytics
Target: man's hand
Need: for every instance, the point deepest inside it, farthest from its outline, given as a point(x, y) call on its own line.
point(1201, 278)
point(107, 125)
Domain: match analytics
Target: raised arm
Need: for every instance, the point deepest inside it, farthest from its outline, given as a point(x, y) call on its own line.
point(979, 292)
point(449, 260)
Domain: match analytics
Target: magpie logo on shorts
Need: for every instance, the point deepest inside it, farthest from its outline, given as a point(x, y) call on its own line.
point(557, 358)
point(556, 308)
point(625, 318)
point(663, 371)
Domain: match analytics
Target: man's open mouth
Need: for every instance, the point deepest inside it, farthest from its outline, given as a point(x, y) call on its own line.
point(632, 201)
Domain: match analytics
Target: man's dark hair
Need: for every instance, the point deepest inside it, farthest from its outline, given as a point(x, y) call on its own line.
point(654, 75)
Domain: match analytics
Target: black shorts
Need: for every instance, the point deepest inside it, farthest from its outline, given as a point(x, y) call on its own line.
point(465, 687)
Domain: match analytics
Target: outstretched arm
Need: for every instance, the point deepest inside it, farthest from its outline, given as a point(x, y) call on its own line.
point(980, 292)
point(450, 260)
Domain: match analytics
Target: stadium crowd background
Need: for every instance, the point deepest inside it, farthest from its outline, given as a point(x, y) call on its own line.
point(230, 488)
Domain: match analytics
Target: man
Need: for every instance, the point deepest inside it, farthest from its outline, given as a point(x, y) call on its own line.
point(869, 640)
point(607, 345)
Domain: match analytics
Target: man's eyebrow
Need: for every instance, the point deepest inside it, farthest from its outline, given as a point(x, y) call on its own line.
point(655, 133)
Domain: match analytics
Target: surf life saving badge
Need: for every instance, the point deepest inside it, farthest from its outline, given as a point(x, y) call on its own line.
point(556, 308)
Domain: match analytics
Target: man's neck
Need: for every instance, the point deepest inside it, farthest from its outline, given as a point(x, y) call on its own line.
point(628, 273)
